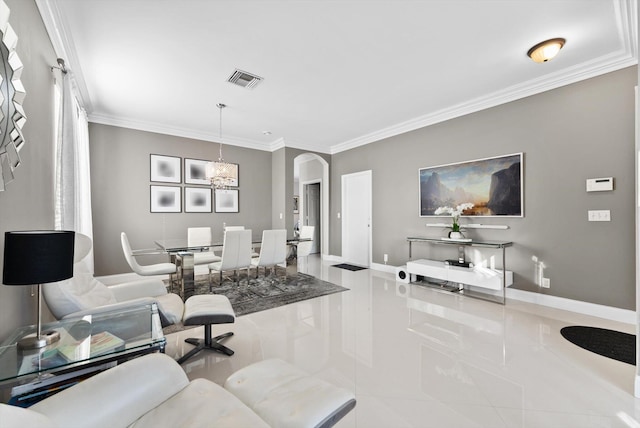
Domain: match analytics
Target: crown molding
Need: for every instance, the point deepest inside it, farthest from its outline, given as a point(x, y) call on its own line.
point(64, 48)
point(309, 147)
point(277, 144)
point(627, 56)
point(603, 65)
point(177, 132)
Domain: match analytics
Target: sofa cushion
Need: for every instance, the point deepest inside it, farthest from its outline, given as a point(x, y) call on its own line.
point(201, 404)
point(171, 307)
point(17, 417)
point(116, 397)
point(81, 292)
point(285, 396)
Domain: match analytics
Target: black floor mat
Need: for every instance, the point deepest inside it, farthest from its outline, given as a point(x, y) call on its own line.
point(347, 266)
point(609, 343)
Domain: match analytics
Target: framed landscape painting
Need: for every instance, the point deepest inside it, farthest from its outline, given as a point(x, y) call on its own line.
point(492, 185)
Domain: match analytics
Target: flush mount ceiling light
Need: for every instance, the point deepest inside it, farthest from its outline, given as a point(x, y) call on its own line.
point(544, 51)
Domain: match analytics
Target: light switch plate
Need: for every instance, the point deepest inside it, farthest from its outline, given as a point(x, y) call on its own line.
point(599, 215)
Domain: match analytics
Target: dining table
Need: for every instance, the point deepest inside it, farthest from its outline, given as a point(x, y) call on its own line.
point(181, 254)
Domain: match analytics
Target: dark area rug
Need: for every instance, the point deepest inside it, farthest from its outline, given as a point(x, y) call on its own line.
point(609, 343)
point(347, 266)
point(262, 293)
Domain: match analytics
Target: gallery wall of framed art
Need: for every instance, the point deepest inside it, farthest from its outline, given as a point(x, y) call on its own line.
point(192, 173)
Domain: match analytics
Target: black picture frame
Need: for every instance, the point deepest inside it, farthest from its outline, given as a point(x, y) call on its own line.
point(227, 200)
point(195, 171)
point(197, 200)
point(165, 169)
point(165, 199)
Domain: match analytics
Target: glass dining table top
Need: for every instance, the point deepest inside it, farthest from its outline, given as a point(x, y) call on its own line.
point(180, 244)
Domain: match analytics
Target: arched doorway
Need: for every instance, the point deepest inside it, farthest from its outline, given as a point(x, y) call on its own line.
point(310, 172)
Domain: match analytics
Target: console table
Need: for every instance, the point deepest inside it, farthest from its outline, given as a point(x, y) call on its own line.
point(457, 274)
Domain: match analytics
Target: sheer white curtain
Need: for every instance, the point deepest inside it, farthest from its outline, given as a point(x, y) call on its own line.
point(73, 179)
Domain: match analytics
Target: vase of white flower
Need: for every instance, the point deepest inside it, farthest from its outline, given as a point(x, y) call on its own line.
point(455, 232)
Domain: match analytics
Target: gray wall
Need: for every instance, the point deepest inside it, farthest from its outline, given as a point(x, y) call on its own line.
point(28, 201)
point(120, 162)
point(279, 189)
point(283, 181)
point(567, 135)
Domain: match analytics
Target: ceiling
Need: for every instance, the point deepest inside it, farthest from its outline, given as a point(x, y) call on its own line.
point(337, 74)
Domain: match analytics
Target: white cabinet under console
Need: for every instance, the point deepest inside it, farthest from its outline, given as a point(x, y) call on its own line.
point(455, 278)
point(476, 276)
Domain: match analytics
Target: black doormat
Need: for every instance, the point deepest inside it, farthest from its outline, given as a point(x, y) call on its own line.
point(609, 343)
point(347, 266)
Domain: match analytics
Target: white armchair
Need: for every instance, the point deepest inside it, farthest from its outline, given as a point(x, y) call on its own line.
point(83, 294)
point(154, 391)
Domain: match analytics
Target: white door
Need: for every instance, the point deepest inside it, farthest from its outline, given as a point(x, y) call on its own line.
point(356, 218)
point(312, 213)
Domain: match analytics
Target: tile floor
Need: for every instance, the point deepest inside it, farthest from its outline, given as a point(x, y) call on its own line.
point(417, 357)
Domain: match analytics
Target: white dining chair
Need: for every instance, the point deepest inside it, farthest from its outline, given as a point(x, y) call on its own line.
point(145, 270)
point(304, 248)
point(273, 251)
point(201, 237)
point(253, 253)
point(236, 254)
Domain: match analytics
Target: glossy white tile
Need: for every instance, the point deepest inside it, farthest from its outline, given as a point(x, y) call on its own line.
point(416, 357)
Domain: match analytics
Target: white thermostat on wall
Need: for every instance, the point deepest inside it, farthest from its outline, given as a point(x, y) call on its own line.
point(599, 184)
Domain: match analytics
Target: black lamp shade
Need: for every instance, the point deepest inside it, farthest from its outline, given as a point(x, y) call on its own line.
point(37, 256)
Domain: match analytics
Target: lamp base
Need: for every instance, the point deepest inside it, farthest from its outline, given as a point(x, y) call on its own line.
point(34, 342)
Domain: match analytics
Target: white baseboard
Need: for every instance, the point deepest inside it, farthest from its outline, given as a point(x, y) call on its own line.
point(331, 258)
point(607, 312)
point(601, 311)
point(384, 268)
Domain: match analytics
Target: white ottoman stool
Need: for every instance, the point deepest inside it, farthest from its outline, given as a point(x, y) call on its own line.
point(207, 309)
point(285, 396)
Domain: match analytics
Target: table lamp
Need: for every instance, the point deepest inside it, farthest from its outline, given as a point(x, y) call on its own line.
point(38, 257)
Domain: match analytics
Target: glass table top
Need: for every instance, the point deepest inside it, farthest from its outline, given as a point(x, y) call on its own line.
point(92, 338)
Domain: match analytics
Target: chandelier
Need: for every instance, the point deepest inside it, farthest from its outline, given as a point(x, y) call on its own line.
point(221, 174)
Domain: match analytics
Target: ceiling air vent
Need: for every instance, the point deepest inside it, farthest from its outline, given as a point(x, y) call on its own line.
point(244, 79)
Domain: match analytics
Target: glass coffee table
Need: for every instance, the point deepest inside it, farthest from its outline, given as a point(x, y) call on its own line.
point(87, 344)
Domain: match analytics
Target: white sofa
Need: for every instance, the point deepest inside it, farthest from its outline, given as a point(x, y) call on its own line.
point(153, 391)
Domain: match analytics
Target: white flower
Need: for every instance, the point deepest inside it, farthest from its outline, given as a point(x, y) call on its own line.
point(462, 207)
point(444, 210)
point(455, 213)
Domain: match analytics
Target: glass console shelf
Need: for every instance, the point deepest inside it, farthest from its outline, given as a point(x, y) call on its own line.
point(86, 344)
point(476, 281)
